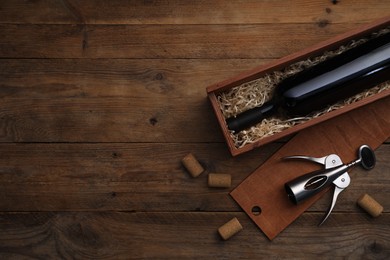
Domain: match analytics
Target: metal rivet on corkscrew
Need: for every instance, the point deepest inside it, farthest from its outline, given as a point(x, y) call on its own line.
point(335, 172)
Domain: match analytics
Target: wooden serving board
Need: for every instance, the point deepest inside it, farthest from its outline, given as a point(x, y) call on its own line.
point(341, 135)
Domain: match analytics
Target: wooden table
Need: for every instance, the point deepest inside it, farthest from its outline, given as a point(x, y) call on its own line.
point(100, 100)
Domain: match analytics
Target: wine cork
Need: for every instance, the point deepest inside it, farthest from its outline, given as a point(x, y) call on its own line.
point(230, 229)
point(192, 165)
point(219, 180)
point(370, 205)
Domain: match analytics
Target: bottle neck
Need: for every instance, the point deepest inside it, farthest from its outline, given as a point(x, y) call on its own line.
point(251, 117)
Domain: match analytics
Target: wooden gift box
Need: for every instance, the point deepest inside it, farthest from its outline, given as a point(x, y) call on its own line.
point(214, 90)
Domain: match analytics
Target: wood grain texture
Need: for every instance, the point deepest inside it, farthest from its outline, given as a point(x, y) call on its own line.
point(98, 177)
point(67, 100)
point(116, 78)
point(124, 235)
point(190, 12)
point(68, 177)
point(161, 41)
point(106, 120)
point(100, 100)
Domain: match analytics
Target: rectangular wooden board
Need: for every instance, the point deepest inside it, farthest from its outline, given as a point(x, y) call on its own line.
point(341, 135)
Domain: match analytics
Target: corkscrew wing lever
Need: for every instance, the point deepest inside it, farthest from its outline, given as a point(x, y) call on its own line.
point(340, 183)
point(328, 161)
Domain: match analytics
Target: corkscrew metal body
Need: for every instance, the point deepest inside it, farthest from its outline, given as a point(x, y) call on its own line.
point(335, 172)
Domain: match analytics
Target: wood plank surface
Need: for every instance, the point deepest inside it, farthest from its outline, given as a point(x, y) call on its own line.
point(100, 101)
point(66, 177)
point(66, 100)
point(190, 12)
point(95, 177)
point(124, 235)
point(116, 78)
point(162, 41)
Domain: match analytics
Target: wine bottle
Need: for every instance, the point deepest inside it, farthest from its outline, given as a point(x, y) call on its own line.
point(335, 79)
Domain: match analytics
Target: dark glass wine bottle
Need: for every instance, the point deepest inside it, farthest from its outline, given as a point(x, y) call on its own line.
point(335, 79)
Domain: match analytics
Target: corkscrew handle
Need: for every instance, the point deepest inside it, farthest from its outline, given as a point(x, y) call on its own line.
point(311, 183)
